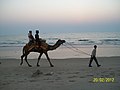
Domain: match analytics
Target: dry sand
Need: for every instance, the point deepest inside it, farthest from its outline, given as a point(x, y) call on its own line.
point(67, 74)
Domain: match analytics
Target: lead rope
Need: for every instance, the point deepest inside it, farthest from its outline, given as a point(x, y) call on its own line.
point(76, 49)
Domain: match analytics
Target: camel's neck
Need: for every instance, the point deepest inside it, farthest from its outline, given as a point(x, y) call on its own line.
point(53, 47)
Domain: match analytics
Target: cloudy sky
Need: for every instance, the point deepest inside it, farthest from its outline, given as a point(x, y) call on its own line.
point(63, 14)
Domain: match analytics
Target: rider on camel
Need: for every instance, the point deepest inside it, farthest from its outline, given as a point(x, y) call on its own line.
point(37, 39)
point(31, 38)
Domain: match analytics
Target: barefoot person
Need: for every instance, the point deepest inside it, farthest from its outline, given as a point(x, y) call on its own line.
point(93, 56)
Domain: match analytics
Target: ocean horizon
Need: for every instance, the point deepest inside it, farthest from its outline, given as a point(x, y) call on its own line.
point(82, 38)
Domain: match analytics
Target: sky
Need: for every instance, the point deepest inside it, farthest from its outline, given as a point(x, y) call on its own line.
point(59, 15)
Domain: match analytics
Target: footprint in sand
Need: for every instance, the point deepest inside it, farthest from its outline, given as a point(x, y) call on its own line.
point(59, 73)
point(103, 72)
point(90, 75)
point(37, 73)
point(5, 83)
point(32, 80)
point(58, 78)
point(72, 76)
point(49, 74)
point(112, 73)
point(110, 68)
point(76, 72)
point(73, 72)
point(21, 81)
point(71, 80)
point(90, 81)
point(118, 74)
point(107, 75)
point(82, 76)
point(51, 81)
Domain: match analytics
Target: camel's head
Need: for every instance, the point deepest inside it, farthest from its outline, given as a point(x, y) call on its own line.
point(60, 41)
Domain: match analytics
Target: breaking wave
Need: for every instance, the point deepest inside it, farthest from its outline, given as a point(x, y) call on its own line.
point(73, 38)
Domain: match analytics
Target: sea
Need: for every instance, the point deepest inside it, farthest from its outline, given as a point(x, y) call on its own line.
point(78, 45)
point(76, 39)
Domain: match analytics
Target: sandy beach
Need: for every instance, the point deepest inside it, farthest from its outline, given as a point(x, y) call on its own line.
point(67, 74)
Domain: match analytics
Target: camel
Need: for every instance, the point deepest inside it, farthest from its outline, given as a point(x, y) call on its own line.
point(43, 49)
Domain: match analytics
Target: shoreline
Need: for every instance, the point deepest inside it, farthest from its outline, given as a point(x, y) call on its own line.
point(62, 52)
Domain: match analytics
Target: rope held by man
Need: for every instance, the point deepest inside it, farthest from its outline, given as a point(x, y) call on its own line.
point(76, 49)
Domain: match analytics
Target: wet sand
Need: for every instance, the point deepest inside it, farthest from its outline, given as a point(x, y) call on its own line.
point(62, 52)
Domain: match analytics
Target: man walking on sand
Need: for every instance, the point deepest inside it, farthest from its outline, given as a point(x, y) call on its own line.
point(93, 56)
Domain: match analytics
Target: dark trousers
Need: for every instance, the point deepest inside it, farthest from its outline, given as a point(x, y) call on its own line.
point(91, 59)
point(30, 42)
point(38, 42)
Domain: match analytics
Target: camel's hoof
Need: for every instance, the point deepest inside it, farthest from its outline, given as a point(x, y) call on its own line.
point(30, 65)
point(21, 63)
point(38, 65)
point(52, 65)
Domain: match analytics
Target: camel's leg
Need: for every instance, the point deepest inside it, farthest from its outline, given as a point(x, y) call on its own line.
point(22, 59)
point(49, 60)
point(39, 59)
point(27, 61)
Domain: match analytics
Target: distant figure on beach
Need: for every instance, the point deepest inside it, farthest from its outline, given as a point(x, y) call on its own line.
point(31, 38)
point(93, 56)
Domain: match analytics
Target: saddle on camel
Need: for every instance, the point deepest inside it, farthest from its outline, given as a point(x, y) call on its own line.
point(37, 42)
point(36, 45)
